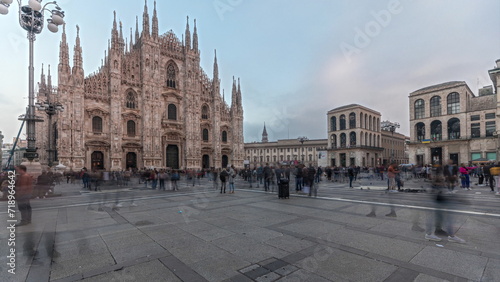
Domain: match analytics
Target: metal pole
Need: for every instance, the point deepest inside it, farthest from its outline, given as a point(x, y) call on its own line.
point(30, 118)
point(49, 138)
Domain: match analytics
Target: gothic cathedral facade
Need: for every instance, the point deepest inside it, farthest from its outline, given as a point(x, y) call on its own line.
point(150, 104)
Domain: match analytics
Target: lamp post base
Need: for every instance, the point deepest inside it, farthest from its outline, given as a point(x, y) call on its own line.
point(34, 168)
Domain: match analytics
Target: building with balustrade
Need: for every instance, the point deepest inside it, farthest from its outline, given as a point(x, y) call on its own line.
point(150, 104)
point(448, 121)
point(285, 151)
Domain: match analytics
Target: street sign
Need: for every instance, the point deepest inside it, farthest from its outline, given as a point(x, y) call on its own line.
point(30, 155)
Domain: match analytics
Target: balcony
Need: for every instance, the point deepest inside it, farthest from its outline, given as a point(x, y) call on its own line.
point(438, 139)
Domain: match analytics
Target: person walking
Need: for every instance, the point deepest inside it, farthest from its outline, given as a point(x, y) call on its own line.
point(223, 179)
point(268, 174)
point(232, 175)
point(298, 178)
point(350, 173)
point(464, 175)
point(24, 190)
point(391, 175)
point(162, 176)
point(450, 172)
point(311, 174)
point(173, 180)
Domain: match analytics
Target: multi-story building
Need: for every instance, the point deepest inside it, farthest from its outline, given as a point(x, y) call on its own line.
point(1, 151)
point(394, 144)
point(354, 136)
point(448, 121)
point(285, 151)
point(150, 104)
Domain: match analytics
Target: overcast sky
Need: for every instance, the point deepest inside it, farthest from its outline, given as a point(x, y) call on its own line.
point(296, 59)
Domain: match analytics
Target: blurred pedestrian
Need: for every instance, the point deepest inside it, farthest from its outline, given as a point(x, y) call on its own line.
point(24, 190)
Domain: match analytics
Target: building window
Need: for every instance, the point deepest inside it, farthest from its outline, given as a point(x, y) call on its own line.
point(352, 139)
point(130, 101)
point(489, 116)
point(204, 112)
point(453, 129)
point(352, 120)
point(490, 128)
point(492, 156)
point(453, 101)
point(343, 140)
point(171, 76)
point(172, 112)
point(475, 156)
point(310, 158)
point(475, 117)
point(97, 124)
point(435, 106)
point(436, 131)
point(342, 122)
point(333, 123)
point(131, 128)
point(475, 130)
point(420, 131)
point(224, 136)
point(334, 140)
point(419, 109)
point(205, 134)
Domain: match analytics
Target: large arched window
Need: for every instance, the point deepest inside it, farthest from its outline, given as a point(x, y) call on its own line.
point(453, 101)
point(419, 109)
point(436, 131)
point(224, 136)
point(370, 123)
point(171, 76)
point(420, 131)
point(361, 136)
point(131, 128)
point(361, 120)
point(172, 112)
point(205, 134)
point(97, 124)
point(342, 122)
point(352, 120)
point(352, 138)
point(343, 140)
point(453, 129)
point(333, 123)
point(130, 101)
point(334, 140)
point(204, 112)
point(435, 106)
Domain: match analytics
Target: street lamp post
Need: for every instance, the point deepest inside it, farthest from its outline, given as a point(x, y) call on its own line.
point(31, 19)
point(302, 139)
point(390, 126)
point(50, 108)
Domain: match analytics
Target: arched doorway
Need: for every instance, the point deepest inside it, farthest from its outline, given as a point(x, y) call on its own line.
point(131, 160)
point(97, 159)
point(173, 156)
point(205, 161)
point(225, 161)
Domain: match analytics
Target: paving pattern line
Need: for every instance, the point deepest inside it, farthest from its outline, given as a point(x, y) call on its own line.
point(388, 204)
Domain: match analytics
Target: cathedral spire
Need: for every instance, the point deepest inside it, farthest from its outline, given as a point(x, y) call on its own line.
point(136, 29)
point(131, 40)
point(63, 53)
point(115, 37)
point(155, 22)
point(188, 35)
point(49, 80)
point(145, 20)
point(234, 98)
point(195, 37)
point(122, 42)
point(42, 79)
point(264, 135)
point(216, 68)
point(77, 55)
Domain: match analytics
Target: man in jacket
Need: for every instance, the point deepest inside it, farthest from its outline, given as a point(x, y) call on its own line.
point(24, 189)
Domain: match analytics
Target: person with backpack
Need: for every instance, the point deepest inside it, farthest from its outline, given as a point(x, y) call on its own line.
point(268, 174)
point(350, 173)
point(223, 178)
